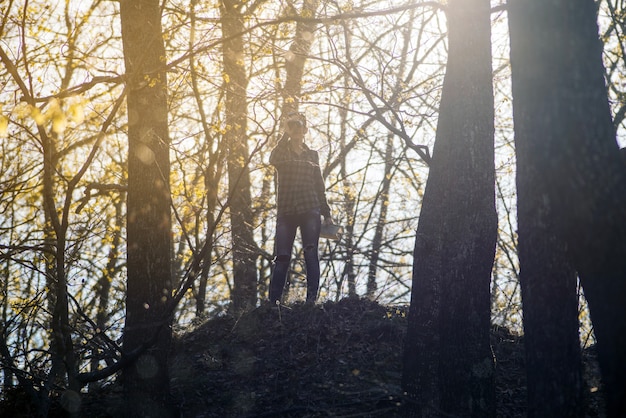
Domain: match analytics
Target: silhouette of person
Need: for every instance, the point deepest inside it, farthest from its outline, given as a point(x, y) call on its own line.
point(301, 202)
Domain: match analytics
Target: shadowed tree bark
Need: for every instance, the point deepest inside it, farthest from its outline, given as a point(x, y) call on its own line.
point(548, 282)
point(550, 306)
point(448, 365)
point(146, 383)
point(243, 293)
point(566, 138)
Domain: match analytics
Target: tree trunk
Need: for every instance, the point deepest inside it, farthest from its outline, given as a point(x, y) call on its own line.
point(244, 292)
point(103, 289)
point(548, 282)
point(348, 239)
point(149, 286)
point(64, 367)
point(550, 306)
point(296, 58)
point(448, 365)
point(372, 285)
point(562, 117)
point(383, 197)
point(212, 170)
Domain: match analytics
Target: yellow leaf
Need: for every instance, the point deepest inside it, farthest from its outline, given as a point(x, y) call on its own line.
point(22, 110)
point(36, 114)
point(76, 112)
point(59, 123)
point(4, 126)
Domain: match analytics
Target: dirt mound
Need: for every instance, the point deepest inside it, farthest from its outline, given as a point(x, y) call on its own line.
point(333, 359)
point(340, 359)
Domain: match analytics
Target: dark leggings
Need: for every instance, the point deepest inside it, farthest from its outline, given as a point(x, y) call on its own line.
point(286, 226)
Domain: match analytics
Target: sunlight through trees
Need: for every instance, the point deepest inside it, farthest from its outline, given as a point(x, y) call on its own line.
point(134, 172)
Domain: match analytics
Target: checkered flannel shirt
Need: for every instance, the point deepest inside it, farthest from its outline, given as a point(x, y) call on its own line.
point(300, 183)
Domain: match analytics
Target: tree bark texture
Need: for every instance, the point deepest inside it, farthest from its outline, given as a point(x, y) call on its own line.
point(548, 282)
point(563, 120)
point(550, 308)
point(297, 56)
point(149, 285)
point(448, 364)
point(244, 293)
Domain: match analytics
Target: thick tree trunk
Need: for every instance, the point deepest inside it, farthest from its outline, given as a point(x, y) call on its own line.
point(244, 292)
point(448, 365)
point(550, 302)
point(149, 285)
point(548, 281)
point(563, 119)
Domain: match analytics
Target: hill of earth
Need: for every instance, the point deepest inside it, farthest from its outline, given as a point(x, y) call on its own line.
point(336, 359)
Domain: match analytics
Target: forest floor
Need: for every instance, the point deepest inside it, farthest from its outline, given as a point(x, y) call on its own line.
point(337, 359)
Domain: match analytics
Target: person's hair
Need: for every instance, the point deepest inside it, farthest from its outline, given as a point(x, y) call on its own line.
point(296, 117)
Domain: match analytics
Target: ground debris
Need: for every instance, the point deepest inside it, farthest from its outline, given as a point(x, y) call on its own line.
point(336, 359)
point(333, 359)
point(339, 359)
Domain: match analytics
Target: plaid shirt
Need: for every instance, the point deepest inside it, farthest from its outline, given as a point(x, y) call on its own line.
point(300, 183)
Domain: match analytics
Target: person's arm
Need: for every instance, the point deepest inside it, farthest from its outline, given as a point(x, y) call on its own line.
point(320, 188)
point(280, 151)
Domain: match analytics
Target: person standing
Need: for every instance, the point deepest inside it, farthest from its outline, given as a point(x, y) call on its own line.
point(301, 202)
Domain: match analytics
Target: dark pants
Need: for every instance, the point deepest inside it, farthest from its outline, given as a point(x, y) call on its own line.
point(286, 225)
